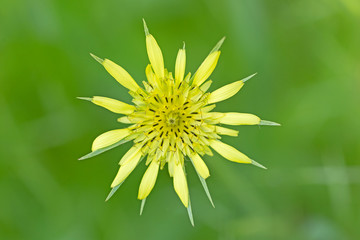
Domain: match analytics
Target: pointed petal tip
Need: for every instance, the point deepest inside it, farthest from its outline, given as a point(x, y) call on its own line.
point(203, 183)
point(218, 45)
point(142, 206)
point(100, 60)
point(248, 78)
point(221, 41)
point(83, 157)
point(253, 162)
point(189, 210)
point(113, 190)
point(269, 123)
point(109, 195)
point(212, 203)
point(85, 98)
point(183, 45)
point(145, 28)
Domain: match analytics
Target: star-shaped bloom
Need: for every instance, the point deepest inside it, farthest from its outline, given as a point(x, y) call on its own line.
point(171, 120)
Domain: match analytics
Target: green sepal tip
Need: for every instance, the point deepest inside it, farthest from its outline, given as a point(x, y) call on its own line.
point(248, 78)
point(146, 28)
point(101, 150)
point(253, 162)
point(142, 206)
point(269, 123)
point(204, 185)
point(218, 45)
point(189, 210)
point(100, 60)
point(113, 190)
point(85, 98)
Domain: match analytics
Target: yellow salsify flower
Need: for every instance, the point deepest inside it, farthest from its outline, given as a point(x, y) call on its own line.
point(171, 119)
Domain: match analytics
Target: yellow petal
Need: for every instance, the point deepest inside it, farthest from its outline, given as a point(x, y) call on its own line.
point(207, 108)
point(113, 105)
point(206, 68)
point(206, 86)
point(155, 56)
point(226, 131)
point(233, 118)
point(109, 138)
point(130, 154)
point(125, 170)
point(200, 166)
point(180, 65)
point(229, 152)
point(180, 184)
point(171, 163)
point(150, 75)
point(148, 180)
point(154, 53)
point(124, 119)
point(225, 92)
point(213, 115)
point(120, 74)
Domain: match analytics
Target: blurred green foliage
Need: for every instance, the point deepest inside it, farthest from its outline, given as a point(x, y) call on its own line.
point(307, 56)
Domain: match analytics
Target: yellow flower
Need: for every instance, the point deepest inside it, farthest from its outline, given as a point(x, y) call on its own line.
point(171, 120)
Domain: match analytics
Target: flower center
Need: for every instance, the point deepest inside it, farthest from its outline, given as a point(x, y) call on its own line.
point(172, 118)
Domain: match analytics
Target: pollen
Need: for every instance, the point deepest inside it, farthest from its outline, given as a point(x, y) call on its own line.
point(171, 122)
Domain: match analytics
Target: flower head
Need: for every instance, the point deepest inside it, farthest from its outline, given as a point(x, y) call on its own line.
point(171, 119)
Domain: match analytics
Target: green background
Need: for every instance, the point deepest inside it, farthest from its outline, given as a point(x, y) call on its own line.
point(307, 57)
